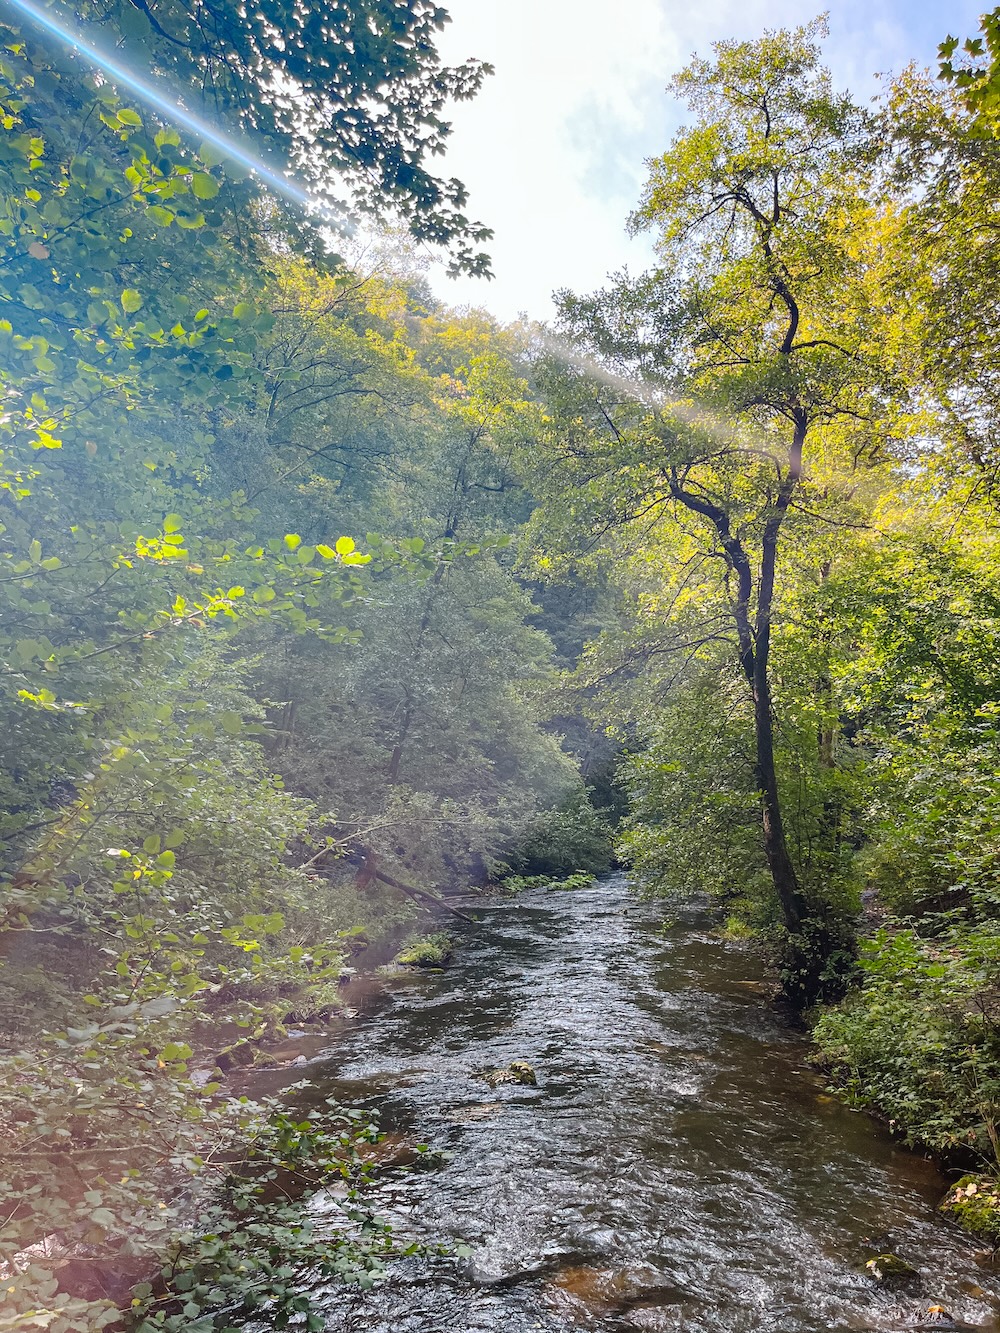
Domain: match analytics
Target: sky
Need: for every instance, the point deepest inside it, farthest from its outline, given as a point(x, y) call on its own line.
point(552, 149)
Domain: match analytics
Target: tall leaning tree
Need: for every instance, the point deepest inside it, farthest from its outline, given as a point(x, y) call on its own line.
point(764, 336)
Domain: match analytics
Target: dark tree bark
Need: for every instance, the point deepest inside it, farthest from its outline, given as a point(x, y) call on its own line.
point(753, 627)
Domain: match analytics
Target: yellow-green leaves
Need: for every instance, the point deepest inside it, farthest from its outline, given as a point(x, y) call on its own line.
point(204, 186)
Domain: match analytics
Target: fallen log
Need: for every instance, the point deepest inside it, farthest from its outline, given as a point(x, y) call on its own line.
point(418, 894)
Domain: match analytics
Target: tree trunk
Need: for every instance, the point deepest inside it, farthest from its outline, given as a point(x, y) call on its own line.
point(754, 636)
point(406, 721)
point(786, 882)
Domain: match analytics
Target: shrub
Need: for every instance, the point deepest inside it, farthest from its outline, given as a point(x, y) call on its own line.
point(571, 837)
point(919, 1041)
point(523, 883)
point(430, 951)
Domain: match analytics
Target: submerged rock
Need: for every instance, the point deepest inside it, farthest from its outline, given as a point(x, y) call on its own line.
point(636, 1294)
point(938, 1317)
point(518, 1071)
point(890, 1268)
point(391, 1150)
point(464, 1115)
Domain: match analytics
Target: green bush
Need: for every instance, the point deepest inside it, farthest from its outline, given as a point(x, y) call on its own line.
point(189, 1202)
point(572, 837)
point(919, 1041)
point(428, 951)
point(523, 883)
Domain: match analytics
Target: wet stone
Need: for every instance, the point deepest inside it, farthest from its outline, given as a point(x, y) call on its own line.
point(582, 1290)
point(936, 1316)
point(518, 1071)
point(974, 1203)
point(892, 1270)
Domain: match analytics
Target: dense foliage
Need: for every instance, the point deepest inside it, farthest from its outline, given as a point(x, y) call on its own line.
point(240, 743)
point(778, 447)
point(320, 601)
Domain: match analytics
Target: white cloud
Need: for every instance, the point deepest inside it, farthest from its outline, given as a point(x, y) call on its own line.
point(552, 149)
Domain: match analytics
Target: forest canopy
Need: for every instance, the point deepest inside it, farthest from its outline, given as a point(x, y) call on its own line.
point(322, 603)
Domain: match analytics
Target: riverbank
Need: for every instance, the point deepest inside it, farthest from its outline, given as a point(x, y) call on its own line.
point(677, 1163)
point(916, 1043)
point(142, 1170)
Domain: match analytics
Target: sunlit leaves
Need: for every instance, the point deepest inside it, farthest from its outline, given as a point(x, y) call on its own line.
point(977, 74)
point(204, 186)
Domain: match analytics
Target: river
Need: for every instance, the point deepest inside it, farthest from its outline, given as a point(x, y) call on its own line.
point(678, 1165)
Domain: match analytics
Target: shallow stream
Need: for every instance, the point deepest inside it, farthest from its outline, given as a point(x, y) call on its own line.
point(677, 1167)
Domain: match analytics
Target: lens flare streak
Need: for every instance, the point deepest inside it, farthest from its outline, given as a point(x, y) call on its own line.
point(172, 109)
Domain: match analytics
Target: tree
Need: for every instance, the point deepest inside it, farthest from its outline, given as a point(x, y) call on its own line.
point(351, 96)
point(765, 325)
point(947, 168)
point(976, 77)
point(151, 864)
point(423, 737)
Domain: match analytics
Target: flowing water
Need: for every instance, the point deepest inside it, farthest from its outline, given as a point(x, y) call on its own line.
point(678, 1166)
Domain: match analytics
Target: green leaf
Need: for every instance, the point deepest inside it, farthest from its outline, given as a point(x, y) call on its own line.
point(151, 844)
point(210, 154)
point(292, 540)
point(176, 1050)
point(204, 186)
point(131, 301)
point(345, 545)
point(160, 214)
point(172, 523)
